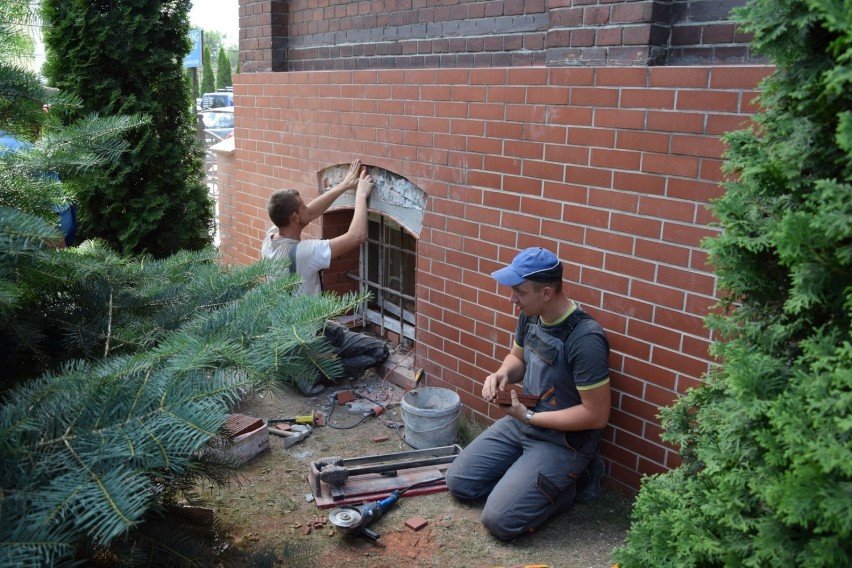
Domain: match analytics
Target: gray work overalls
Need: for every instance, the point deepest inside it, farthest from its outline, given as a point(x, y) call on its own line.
point(528, 474)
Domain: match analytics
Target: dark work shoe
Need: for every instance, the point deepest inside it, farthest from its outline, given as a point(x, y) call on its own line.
point(589, 483)
point(310, 388)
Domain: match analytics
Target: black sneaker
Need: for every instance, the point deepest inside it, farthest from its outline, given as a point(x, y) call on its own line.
point(309, 388)
point(589, 484)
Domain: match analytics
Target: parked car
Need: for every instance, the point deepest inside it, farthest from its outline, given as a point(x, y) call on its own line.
point(217, 100)
point(218, 123)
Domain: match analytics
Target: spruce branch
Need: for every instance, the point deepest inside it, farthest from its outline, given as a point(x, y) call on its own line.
point(109, 324)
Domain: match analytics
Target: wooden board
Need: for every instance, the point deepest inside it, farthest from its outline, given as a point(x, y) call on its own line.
point(374, 486)
point(244, 447)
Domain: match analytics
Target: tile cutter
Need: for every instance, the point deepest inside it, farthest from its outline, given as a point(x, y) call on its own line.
point(335, 481)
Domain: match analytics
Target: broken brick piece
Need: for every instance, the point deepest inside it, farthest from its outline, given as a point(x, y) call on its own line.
point(345, 396)
point(505, 398)
point(282, 426)
point(416, 523)
point(238, 424)
point(378, 439)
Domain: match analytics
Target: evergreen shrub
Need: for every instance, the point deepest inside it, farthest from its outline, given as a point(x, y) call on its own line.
point(766, 478)
point(125, 58)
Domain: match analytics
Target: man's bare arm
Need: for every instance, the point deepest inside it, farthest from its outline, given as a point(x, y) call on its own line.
point(592, 413)
point(357, 232)
point(321, 204)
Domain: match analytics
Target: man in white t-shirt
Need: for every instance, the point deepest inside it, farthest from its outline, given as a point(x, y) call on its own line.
point(291, 215)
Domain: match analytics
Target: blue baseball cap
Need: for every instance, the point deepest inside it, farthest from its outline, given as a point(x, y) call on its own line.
point(535, 263)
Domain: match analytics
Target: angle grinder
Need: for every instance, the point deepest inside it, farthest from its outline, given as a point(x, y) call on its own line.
point(354, 520)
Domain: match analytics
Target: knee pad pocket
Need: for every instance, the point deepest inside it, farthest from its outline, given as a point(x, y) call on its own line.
point(550, 488)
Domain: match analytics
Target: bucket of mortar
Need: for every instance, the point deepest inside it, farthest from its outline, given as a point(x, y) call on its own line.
point(431, 417)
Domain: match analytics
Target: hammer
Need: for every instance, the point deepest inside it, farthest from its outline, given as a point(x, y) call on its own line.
point(311, 419)
point(292, 436)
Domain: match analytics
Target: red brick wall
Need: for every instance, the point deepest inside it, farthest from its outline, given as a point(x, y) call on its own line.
point(302, 35)
point(702, 33)
point(611, 167)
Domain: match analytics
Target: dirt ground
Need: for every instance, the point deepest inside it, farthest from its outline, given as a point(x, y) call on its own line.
point(268, 516)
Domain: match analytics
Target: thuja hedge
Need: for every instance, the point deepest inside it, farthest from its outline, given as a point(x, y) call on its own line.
point(767, 442)
point(126, 58)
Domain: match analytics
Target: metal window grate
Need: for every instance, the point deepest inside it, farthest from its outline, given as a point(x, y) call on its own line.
point(388, 268)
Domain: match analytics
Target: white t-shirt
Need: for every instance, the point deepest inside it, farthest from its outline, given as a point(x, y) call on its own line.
point(312, 255)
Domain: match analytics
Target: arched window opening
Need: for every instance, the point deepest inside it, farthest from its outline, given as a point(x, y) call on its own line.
point(388, 259)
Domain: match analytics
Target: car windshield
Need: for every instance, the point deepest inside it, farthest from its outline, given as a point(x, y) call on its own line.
point(209, 118)
point(218, 119)
point(223, 120)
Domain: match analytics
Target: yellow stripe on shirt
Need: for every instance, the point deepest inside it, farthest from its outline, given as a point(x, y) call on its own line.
point(594, 386)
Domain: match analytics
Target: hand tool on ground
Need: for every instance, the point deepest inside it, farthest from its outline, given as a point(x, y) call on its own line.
point(355, 520)
point(293, 436)
point(335, 481)
point(311, 419)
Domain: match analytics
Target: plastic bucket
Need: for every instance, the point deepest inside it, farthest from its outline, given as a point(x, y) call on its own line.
point(431, 417)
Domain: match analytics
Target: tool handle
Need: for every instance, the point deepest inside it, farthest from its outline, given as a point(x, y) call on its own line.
point(388, 501)
point(370, 534)
point(296, 420)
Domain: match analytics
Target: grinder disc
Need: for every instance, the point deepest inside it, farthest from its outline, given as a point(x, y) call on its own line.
point(345, 519)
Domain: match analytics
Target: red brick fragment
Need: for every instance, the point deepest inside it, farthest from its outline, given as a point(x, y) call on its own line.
point(505, 398)
point(378, 439)
point(345, 396)
point(416, 523)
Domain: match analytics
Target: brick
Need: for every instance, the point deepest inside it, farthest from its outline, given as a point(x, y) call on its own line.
point(684, 166)
point(594, 97)
point(664, 121)
point(505, 398)
point(648, 98)
point(345, 396)
point(738, 77)
point(416, 523)
point(716, 101)
point(377, 439)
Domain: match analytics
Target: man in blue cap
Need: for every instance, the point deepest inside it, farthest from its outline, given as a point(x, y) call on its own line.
point(536, 462)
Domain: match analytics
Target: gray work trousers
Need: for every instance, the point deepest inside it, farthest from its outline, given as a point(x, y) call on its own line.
point(526, 474)
point(356, 351)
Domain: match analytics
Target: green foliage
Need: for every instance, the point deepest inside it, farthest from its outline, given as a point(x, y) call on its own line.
point(767, 442)
point(214, 41)
point(193, 86)
point(118, 372)
point(71, 153)
point(223, 70)
point(22, 94)
point(15, 16)
point(124, 58)
point(208, 78)
point(149, 355)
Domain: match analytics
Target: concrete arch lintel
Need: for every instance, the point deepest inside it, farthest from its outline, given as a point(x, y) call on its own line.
point(393, 195)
